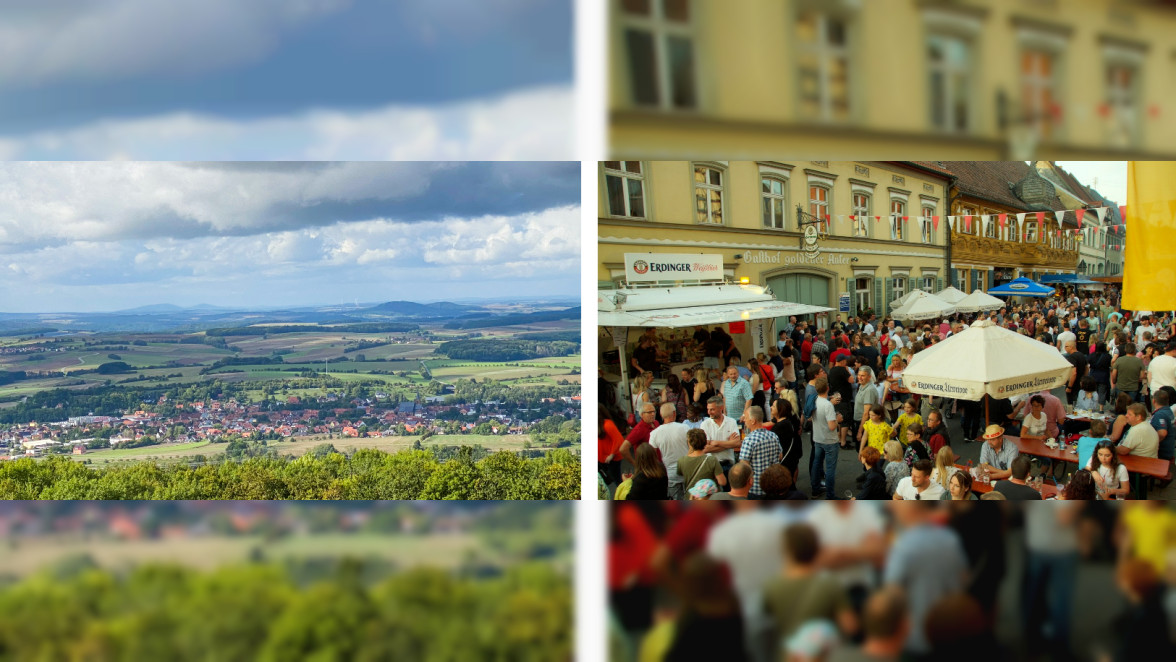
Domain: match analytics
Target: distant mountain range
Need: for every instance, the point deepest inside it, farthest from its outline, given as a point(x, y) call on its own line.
point(158, 318)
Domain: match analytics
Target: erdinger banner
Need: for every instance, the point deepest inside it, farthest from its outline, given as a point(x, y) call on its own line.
point(969, 389)
point(646, 267)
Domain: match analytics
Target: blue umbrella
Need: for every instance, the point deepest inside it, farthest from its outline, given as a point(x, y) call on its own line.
point(1022, 287)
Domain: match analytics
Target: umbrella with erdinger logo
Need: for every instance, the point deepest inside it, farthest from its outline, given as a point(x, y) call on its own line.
point(986, 359)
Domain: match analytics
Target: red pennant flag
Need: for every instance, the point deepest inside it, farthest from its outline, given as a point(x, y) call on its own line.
point(826, 218)
point(877, 219)
point(968, 222)
point(852, 217)
point(935, 222)
point(1079, 213)
point(1002, 218)
point(1123, 212)
point(1040, 220)
point(906, 218)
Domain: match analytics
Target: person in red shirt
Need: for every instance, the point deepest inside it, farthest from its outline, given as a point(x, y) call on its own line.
point(640, 432)
point(839, 348)
point(806, 349)
point(608, 448)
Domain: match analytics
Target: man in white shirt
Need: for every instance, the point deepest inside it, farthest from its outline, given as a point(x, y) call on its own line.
point(750, 542)
point(1142, 440)
point(852, 544)
point(1162, 369)
point(918, 486)
point(722, 433)
point(1145, 326)
point(670, 439)
point(1064, 337)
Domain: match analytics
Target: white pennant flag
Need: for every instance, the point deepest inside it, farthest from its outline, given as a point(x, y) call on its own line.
point(984, 218)
point(1021, 226)
point(1102, 213)
point(1060, 215)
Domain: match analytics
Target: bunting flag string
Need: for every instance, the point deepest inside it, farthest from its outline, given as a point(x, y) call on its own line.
point(1102, 214)
point(967, 222)
point(935, 222)
point(1078, 214)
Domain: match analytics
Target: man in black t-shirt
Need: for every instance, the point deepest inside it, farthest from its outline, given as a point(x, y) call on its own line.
point(841, 382)
point(1082, 337)
point(1078, 360)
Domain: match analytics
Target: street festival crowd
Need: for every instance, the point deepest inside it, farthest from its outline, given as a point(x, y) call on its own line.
point(863, 582)
point(736, 427)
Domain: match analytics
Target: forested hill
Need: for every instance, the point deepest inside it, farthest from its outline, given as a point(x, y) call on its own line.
point(504, 349)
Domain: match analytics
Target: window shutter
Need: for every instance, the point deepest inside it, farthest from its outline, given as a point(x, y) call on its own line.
point(938, 284)
point(955, 279)
point(878, 296)
point(889, 295)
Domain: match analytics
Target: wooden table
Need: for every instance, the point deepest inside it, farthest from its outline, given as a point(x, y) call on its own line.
point(1048, 490)
point(1147, 466)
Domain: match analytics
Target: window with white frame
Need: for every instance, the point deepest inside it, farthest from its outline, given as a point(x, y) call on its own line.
point(823, 65)
point(1030, 229)
point(708, 194)
point(1039, 91)
point(989, 221)
point(899, 286)
point(949, 62)
point(926, 226)
point(775, 201)
point(928, 283)
point(863, 286)
point(1122, 98)
point(819, 205)
point(624, 182)
point(970, 227)
point(861, 214)
point(660, 46)
point(897, 211)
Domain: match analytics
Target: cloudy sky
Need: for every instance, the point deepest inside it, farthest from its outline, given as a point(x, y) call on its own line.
point(100, 236)
point(286, 79)
point(1107, 177)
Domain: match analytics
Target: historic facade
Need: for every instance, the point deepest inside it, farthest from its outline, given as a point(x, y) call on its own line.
point(979, 79)
point(847, 235)
point(983, 252)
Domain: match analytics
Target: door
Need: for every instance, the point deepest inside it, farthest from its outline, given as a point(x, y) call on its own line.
point(800, 288)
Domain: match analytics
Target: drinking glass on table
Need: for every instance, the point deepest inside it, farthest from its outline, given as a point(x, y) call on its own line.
point(848, 495)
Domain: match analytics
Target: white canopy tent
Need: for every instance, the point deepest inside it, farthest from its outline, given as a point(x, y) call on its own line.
point(978, 301)
point(986, 359)
point(921, 306)
point(902, 300)
point(684, 306)
point(950, 294)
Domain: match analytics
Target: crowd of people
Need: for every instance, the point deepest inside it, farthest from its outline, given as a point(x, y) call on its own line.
point(821, 392)
point(850, 582)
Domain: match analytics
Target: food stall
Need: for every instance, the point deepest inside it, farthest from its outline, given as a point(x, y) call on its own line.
point(747, 312)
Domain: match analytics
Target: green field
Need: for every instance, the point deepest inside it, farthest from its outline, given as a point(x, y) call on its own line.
point(300, 351)
point(446, 551)
point(168, 453)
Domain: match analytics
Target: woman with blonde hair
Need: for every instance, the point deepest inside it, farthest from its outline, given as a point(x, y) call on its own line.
point(643, 391)
point(944, 467)
point(896, 469)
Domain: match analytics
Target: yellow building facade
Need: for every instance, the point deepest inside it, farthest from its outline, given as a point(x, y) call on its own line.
point(755, 216)
point(875, 79)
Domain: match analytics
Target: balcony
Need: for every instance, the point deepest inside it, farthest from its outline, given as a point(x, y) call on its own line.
point(998, 252)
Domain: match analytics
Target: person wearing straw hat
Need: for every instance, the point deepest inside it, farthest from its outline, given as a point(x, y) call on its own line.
point(997, 456)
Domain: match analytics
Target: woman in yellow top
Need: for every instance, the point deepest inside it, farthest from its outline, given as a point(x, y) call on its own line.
point(874, 431)
point(904, 421)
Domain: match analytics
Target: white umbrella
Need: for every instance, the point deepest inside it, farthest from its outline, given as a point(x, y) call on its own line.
point(900, 301)
point(986, 359)
point(923, 306)
point(977, 301)
point(950, 294)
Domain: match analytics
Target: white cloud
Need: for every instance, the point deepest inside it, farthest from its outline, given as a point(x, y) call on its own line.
point(110, 39)
point(542, 244)
point(530, 124)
